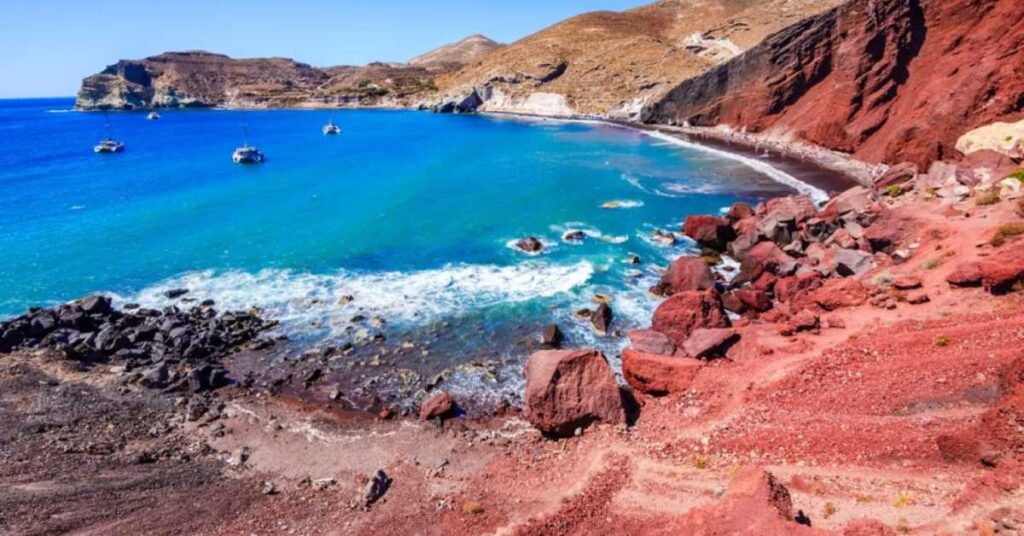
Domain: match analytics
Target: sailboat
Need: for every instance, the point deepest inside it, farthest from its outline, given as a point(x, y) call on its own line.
point(246, 154)
point(330, 128)
point(108, 144)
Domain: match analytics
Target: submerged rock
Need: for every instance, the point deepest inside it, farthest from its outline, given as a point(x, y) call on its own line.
point(530, 244)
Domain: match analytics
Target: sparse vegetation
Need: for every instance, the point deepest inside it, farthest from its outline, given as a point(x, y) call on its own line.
point(903, 499)
point(932, 264)
point(472, 507)
point(894, 190)
point(942, 341)
point(1006, 231)
point(829, 510)
point(700, 462)
point(1019, 175)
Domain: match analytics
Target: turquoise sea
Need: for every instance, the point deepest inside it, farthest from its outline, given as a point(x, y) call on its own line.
point(409, 213)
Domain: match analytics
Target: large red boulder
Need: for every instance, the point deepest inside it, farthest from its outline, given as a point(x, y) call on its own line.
point(658, 374)
point(570, 389)
point(753, 299)
point(789, 209)
point(649, 341)
point(687, 273)
point(897, 175)
point(1001, 272)
point(786, 288)
point(684, 312)
point(771, 256)
point(709, 231)
point(437, 405)
point(967, 274)
point(836, 294)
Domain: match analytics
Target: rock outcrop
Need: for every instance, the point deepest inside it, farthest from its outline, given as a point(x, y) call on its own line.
point(203, 79)
point(902, 80)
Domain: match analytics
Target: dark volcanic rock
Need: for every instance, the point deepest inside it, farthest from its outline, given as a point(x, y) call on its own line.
point(601, 319)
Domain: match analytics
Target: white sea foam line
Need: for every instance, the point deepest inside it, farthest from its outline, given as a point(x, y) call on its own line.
point(300, 300)
point(816, 194)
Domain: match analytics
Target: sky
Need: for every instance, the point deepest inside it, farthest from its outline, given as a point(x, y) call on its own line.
point(48, 46)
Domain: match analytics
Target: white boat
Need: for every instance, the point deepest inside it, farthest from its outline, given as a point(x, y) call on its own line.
point(331, 129)
point(153, 116)
point(108, 146)
point(247, 154)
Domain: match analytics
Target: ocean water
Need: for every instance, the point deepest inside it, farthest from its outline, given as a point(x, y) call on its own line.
point(409, 213)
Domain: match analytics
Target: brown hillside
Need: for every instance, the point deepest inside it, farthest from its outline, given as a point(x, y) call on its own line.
point(609, 63)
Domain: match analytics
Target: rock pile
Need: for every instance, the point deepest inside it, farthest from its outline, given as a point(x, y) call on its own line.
point(796, 262)
point(160, 349)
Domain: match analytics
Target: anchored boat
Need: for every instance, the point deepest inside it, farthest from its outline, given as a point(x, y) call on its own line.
point(153, 116)
point(108, 146)
point(331, 129)
point(246, 154)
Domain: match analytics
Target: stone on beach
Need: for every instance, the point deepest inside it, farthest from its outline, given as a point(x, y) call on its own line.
point(705, 343)
point(709, 231)
point(687, 273)
point(651, 342)
point(569, 389)
point(658, 374)
point(684, 312)
point(437, 405)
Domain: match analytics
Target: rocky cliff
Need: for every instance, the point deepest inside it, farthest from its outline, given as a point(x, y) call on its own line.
point(203, 79)
point(886, 80)
point(611, 64)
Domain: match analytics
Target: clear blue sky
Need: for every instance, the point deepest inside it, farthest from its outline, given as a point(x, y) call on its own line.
point(48, 46)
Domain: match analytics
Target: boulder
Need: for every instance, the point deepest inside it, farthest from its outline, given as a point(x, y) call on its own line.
point(750, 270)
point(897, 175)
point(687, 273)
point(649, 341)
point(657, 374)
point(838, 293)
point(731, 303)
point(570, 389)
point(772, 257)
point(551, 336)
point(966, 274)
point(601, 319)
point(1004, 138)
point(96, 305)
point(756, 300)
point(709, 231)
point(706, 343)
point(857, 200)
point(1002, 271)
point(739, 210)
point(806, 321)
point(530, 244)
point(743, 242)
point(790, 209)
point(907, 282)
point(684, 312)
point(437, 405)
point(850, 262)
point(786, 288)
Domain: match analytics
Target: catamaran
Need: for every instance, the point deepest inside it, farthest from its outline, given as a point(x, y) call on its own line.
point(330, 128)
point(108, 144)
point(246, 154)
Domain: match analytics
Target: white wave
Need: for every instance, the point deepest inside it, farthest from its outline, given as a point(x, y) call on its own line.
point(303, 300)
point(62, 111)
point(77, 207)
point(816, 194)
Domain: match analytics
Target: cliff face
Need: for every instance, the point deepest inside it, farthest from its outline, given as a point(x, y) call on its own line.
point(203, 79)
point(611, 64)
point(886, 80)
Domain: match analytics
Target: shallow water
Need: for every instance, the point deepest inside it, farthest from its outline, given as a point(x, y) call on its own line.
point(411, 214)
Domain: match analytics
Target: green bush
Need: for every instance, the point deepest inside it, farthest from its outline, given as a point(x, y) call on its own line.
point(1006, 230)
